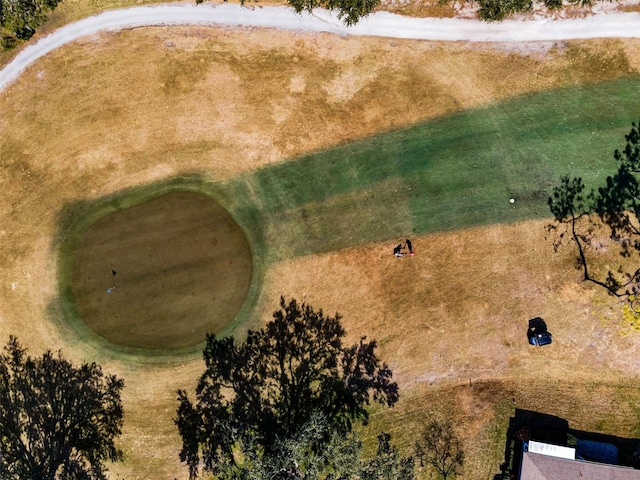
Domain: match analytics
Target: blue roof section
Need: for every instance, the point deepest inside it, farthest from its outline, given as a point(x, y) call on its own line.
point(597, 452)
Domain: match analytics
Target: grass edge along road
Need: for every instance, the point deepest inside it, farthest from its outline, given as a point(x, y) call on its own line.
point(454, 172)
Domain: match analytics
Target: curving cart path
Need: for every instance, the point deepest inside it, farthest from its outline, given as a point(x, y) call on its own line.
point(381, 24)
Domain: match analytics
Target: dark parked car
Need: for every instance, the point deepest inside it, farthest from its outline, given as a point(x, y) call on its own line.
point(540, 339)
point(537, 332)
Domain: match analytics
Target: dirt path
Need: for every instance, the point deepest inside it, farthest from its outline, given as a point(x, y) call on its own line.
point(382, 24)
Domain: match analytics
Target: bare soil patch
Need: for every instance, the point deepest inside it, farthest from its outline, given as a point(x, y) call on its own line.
point(183, 268)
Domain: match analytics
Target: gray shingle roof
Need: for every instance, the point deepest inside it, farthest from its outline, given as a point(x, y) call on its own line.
point(545, 467)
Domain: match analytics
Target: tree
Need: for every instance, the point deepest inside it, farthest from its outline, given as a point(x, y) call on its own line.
point(498, 10)
point(349, 11)
point(319, 453)
point(20, 18)
point(614, 208)
point(440, 448)
point(387, 463)
point(267, 387)
point(56, 421)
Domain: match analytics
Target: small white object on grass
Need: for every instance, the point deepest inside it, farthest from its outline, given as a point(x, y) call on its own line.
point(512, 200)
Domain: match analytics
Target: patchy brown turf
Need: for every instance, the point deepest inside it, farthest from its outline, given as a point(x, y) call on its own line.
point(459, 307)
point(183, 269)
point(120, 110)
point(455, 314)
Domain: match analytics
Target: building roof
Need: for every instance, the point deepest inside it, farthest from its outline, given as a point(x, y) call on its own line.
point(553, 450)
point(544, 467)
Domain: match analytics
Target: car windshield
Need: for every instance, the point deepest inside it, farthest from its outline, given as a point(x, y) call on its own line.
point(544, 339)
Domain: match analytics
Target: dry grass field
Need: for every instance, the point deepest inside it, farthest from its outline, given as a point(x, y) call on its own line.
point(121, 110)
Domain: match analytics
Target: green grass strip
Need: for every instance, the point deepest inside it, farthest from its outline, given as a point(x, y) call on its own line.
point(450, 173)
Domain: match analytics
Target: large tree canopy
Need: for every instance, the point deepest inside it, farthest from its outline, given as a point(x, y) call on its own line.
point(497, 10)
point(20, 18)
point(318, 453)
point(57, 421)
point(583, 216)
point(267, 387)
point(349, 11)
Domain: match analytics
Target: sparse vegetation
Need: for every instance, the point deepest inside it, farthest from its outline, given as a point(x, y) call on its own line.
point(583, 215)
point(439, 448)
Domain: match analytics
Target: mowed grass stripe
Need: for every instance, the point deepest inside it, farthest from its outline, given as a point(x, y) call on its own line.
point(450, 173)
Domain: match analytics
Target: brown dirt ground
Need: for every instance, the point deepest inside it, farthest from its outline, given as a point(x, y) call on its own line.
point(183, 269)
point(123, 109)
